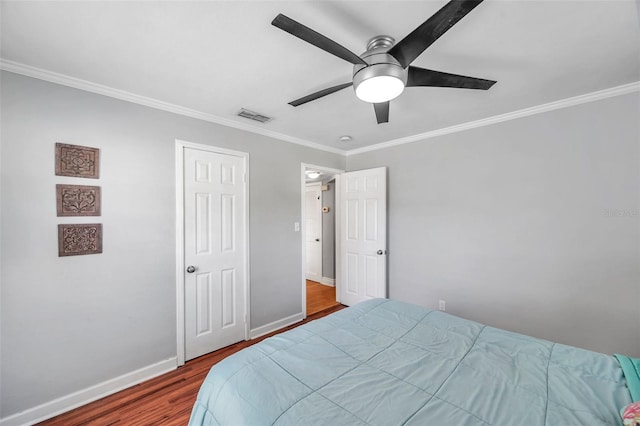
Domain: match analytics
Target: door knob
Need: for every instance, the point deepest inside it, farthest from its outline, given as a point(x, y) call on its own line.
point(191, 269)
point(379, 252)
point(317, 239)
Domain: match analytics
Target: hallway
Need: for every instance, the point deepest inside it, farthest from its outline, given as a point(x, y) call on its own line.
point(319, 297)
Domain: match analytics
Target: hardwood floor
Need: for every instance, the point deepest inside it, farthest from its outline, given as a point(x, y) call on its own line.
point(165, 400)
point(319, 297)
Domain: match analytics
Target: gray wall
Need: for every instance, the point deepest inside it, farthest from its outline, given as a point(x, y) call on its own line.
point(531, 225)
point(72, 322)
point(329, 231)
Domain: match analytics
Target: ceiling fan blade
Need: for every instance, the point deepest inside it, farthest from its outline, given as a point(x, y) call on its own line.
point(310, 36)
point(319, 94)
point(382, 112)
point(410, 47)
point(423, 77)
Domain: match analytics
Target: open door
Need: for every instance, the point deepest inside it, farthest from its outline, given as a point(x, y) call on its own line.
point(363, 236)
point(313, 228)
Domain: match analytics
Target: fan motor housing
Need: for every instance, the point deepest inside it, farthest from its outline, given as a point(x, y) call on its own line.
point(380, 63)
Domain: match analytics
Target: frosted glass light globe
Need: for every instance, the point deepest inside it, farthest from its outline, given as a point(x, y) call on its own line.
point(379, 89)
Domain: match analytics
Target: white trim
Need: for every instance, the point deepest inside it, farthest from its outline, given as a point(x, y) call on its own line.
point(338, 237)
point(93, 393)
point(247, 255)
point(88, 86)
point(331, 282)
point(276, 325)
point(180, 333)
point(211, 148)
point(65, 80)
point(576, 100)
point(303, 237)
point(180, 298)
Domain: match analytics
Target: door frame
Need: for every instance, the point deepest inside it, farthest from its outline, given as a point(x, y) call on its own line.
point(303, 248)
point(180, 146)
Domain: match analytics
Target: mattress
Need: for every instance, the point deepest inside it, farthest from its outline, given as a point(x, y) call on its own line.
point(384, 362)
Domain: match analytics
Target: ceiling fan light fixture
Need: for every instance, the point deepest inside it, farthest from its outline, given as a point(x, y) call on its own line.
point(379, 89)
point(379, 82)
point(381, 73)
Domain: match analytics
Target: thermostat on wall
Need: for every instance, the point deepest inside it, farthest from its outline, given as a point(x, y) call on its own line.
point(325, 209)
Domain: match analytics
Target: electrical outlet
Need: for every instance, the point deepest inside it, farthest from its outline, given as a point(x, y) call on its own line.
point(442, 305)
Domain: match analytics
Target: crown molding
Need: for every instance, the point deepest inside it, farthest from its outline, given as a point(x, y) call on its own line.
point(551, 106)
point(65, 80)
point(88, 86)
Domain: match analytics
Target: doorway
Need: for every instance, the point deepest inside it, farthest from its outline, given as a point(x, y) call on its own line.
point(360, 234)
point(318, 237)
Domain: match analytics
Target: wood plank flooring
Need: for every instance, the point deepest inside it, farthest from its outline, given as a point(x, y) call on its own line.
point(319, 297)
point(165, 400)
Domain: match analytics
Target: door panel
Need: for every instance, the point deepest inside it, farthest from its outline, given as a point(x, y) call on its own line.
point(228, 298)
point(203, 216)
point(372, 279)
point(313, 230)
point(214, 243)
point(364, 237)
point(371, 219)
point(203, 304)
point(352, 219)
point(227, 226)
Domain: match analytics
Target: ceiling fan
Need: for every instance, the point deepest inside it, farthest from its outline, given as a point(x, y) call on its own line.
point(382, 72)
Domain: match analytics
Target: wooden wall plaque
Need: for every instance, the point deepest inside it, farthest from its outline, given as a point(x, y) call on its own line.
point(77, 200)
point(78, 239)
point(77, 161)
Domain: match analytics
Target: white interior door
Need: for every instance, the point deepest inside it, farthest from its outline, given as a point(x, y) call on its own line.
point(363, 240)
point(313, 231)
point(214, 250)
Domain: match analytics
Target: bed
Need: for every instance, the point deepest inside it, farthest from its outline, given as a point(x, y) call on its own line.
point(384, 362)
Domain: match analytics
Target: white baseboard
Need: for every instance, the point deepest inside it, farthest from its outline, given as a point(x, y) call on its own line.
point(273, 326)
point(77, 399)
point(331, 282)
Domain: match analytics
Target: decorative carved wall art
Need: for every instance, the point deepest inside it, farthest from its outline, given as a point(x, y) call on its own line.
point(79, 239)
point(78, 200)
point(77, 161)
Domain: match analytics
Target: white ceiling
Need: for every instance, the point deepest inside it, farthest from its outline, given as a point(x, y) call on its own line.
point(217, 57)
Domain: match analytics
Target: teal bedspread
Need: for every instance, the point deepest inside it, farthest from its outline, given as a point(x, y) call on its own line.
point(631, 369)
point(384, 362)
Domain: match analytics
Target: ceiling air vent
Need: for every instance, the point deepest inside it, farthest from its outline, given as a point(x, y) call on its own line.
point(251, 115)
